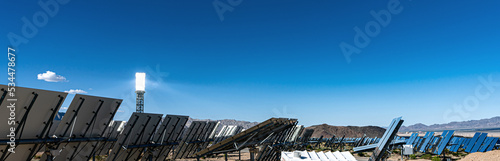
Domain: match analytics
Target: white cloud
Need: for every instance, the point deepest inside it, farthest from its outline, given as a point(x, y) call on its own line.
point(64, 108)
point(50, 76)
point(75, 91)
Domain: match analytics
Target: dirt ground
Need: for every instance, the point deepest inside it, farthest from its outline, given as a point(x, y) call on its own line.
point(487, 156)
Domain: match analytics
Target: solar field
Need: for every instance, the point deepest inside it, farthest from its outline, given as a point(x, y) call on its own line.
point(87, 131)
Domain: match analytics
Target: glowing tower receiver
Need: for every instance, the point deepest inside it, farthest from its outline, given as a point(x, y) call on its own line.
point(140, 86)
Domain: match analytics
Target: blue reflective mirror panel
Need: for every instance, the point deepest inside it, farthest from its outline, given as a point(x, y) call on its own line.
point(471, 142)
point(479, 142)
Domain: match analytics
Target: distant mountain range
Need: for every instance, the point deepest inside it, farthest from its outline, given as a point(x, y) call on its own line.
point(472, 124)
point(327, 131)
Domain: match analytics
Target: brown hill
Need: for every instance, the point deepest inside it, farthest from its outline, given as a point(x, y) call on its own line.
point(349, 131)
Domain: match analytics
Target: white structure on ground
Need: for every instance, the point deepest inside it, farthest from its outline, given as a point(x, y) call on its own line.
point(320, 156)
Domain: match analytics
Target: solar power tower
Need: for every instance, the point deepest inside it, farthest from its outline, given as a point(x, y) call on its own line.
point(140, 85)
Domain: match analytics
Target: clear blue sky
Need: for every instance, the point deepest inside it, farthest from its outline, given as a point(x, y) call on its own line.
point(268, 58)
